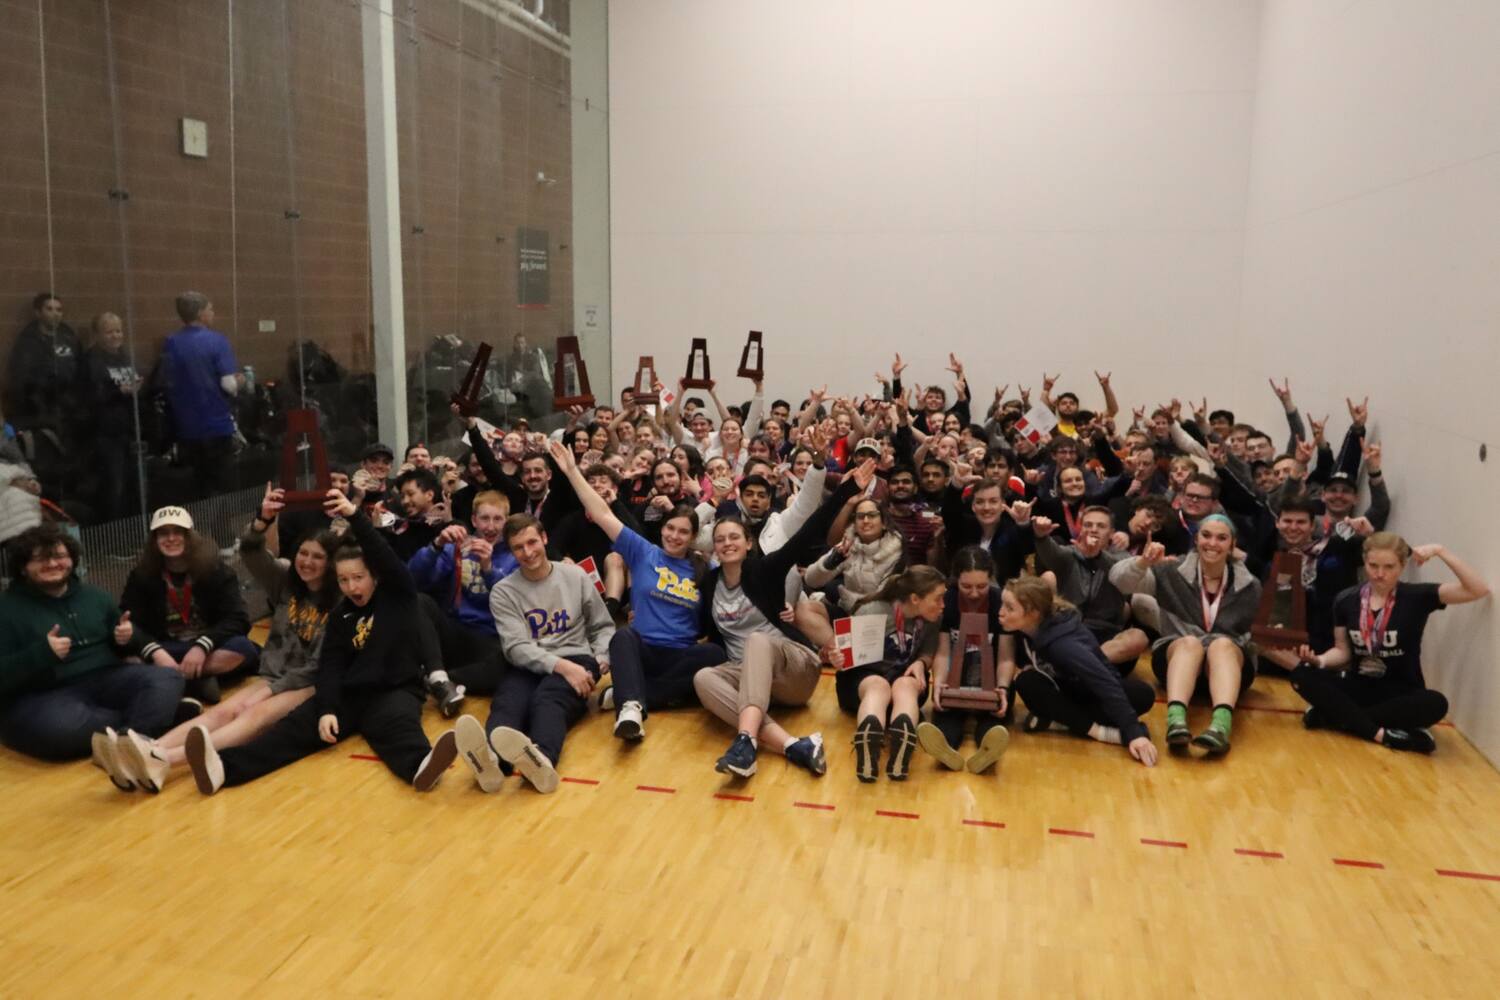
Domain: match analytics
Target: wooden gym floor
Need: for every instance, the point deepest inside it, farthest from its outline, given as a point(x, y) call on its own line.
point(1302, 865)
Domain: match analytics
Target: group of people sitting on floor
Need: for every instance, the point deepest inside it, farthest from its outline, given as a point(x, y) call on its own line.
point(655, 557)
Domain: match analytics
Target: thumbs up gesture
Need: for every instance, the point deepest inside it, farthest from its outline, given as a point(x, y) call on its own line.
point(61, 644)
point(123, 630)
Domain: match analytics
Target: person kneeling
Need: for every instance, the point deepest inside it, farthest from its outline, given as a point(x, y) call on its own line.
point(555, 630)
point(1073, 681)
point(369, 678)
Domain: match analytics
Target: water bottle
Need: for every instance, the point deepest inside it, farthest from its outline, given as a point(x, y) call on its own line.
point(249, 376)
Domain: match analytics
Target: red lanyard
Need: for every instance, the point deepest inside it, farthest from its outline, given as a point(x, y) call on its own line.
point(900, 629)
point(1075, 521)
point(181, 601)
point(1211, 608)
point(1370, 628)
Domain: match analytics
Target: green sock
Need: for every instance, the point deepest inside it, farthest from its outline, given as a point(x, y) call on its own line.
point(1223, 719)
point(1176, 713)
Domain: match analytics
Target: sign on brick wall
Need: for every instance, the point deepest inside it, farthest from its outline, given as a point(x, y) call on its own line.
point(532, 286)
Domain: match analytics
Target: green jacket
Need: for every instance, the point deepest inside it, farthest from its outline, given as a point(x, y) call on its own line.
point(87, 616)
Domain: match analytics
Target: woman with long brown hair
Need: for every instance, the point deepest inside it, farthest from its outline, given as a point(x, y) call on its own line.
point(185, 604)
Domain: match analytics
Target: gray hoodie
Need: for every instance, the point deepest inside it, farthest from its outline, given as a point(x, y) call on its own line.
point(557, 617)
point(1175, 585)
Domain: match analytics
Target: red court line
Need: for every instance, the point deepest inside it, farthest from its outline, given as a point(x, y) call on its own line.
point(1351, 863)
point(363, 756)
point(984, 822)
point(1164, 843)
point(734, 798)
point(813, 805)
point(1451, 873)
point(582, 781)
point(1259, 854)
point(655, 788)
point(897, 815)
point(1069, 833)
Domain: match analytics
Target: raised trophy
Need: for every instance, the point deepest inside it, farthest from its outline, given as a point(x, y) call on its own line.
point(570, 383)
point(467, 396)
point(644, 391)
point(752, 359)
point(697, 376)
point(302, 424)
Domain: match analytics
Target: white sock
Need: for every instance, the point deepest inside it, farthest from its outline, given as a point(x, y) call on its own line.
point(753, 741)
point(1104, 734)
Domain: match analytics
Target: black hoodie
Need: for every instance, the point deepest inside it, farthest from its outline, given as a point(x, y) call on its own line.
point(43, 378)
point(1082, 670)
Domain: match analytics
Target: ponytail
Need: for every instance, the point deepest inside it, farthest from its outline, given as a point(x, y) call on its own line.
point(914, 582)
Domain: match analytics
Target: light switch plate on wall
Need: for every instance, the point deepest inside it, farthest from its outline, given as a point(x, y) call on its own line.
point(194, 138)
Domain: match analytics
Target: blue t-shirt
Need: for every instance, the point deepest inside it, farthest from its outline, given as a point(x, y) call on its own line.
point(193, 361)
point(663, 593)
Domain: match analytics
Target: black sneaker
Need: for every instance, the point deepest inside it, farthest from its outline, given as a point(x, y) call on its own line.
point(903, 740)
point(1416, 741)
point(808, 753)
point(1213, 740)
point(1178, 736)
point(869, 740)
point(449, 697)
point(1312, 720)
point(187, 708)
point(739, 759)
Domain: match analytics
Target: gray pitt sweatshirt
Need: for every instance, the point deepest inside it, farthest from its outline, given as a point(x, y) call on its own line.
point(556, 617)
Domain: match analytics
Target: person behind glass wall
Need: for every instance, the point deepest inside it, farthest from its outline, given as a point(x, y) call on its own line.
point(110, 382)
point(41, 383)
point(200, 374)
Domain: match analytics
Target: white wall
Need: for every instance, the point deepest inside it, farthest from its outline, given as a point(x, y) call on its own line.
point(1373, 264)
point(1194, 193)
point(995, 177)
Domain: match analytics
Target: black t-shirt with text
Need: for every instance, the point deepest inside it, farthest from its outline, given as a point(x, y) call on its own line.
point(1397, 658)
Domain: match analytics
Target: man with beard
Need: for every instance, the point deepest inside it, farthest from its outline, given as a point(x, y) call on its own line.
point(913, 516)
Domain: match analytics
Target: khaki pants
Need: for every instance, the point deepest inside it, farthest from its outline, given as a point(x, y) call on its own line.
point(775, 669)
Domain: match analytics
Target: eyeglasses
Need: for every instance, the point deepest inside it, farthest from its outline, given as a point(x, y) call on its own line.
point(867, 515)
point(51, 557)
point(1198, 496)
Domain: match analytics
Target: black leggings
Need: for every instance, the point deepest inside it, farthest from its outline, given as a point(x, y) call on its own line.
point(1073, 707)
point(1359, 707)
point(390, 720)
point(472, 658)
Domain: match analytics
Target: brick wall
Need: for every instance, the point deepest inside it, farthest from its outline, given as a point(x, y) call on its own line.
point(483, 108)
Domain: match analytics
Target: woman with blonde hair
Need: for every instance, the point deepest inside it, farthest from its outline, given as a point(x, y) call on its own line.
point(1370, 682)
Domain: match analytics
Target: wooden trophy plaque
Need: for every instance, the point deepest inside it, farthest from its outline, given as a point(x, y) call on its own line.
point(298, 424)
point(753, 358)
point(467, 396)
point(1281, 621)
point(973, 629)
point(570, 379)
point(698, 362)
point(644, 393)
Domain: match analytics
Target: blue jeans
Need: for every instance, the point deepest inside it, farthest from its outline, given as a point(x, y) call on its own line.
point(57, 724)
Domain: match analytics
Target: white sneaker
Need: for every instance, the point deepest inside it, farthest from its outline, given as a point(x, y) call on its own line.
point(475, 750)
point(438, 760)
point(208, 769)
point(525, 756)
point(106, 755)
point(145, 764)
point(990, 750)
point(630, 723)
point(602, 698)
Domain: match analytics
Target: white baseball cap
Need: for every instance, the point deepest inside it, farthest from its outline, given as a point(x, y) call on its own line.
point(172, 516)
